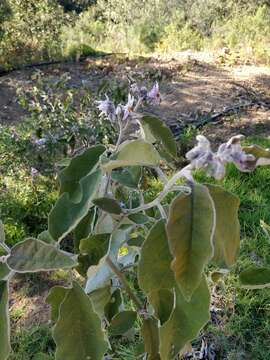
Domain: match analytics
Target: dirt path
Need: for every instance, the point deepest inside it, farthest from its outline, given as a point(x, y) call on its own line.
point(194, 87)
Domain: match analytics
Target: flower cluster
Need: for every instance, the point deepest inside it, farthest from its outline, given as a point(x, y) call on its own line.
point(136, 96)
point(202, 156)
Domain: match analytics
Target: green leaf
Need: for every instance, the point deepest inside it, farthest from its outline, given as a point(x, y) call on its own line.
point(100, 298)
point(139, 218)
point(41, 356)
point(151, 338)
point(133, 153)
point(66, 215)
point(162, 301)
point(92, 249)
point(2, 232)
point(262, 155)
point(190, 232)
point(227, 233)
point(109, 205)
point(129, 176)
point(78, 333)
point(55, 298)
point(112, 307)
point(255, 278)
point(32, 255)
point(122, 322)
point(45, 236)
point(4, 323)
point(185, 321)
point(266, 228)
point(154, 270)
point(79, 167)
point(157, 128)
point(99, 275)
point(84, 228)
point(4, 271)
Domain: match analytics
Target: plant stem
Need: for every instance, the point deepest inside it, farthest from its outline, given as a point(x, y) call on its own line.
point(164, 192)
point(125, 283)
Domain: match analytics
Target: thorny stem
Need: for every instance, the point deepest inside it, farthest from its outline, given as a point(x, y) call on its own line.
point(125, 283)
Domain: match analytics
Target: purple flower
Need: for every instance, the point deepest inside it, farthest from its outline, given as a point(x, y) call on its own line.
point(40, 142)
point(202, 157)
point(128, 108)
point(153, 95)
point(107, 108)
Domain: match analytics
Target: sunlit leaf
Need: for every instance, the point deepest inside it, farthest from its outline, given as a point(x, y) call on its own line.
point(190, 232)
point(158, 129)
point(132, 153)
point(255, 278)
point(227, 233)
point(4, 322)
point(78, 333)
point(32, 255)
point(185, 321)
point(109, 205)
point(129, 176)
point(122, 322)
point(66, 215)
point(262, 155)
point(79, 167)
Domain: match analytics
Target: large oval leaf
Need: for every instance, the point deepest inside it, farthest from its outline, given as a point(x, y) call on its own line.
point(185, 322)
point(55, 298)
point(66, 215)
point(78, 333)
point(151, 338)
point(157, 128)
point(190, 232)
point(154, 270)
point(4, 324)
point(227, 233)
point(32, 255)
point(255, 278)
point(132, 153)
point(79, 167)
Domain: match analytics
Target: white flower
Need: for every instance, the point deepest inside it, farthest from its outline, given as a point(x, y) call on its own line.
point(40, 142)
point(129, 107)
point(34, 172)
point(107, 108)
point(154, 95)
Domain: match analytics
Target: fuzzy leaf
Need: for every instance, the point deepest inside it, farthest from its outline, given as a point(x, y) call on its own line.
point(262, 155)
point(109, 205)
point(100, 299)
point(45, 236)
point(122, 322)
point(78, 333)
point(92, 249)
point(255, 278)
point(185, 321)
point(133, 153)
point(32, 255)
point(4, 323)
point(162, 301)
point(99, 275)
point(66, 215)
point(79, 167)
point(139, 218)
point(160, 132)
point(154, 270)
point(4, 271)
point(190, 232)
point(151, 338)
point(227, 233)
point(55, 297)
point(129, 176)
point(84, 228)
